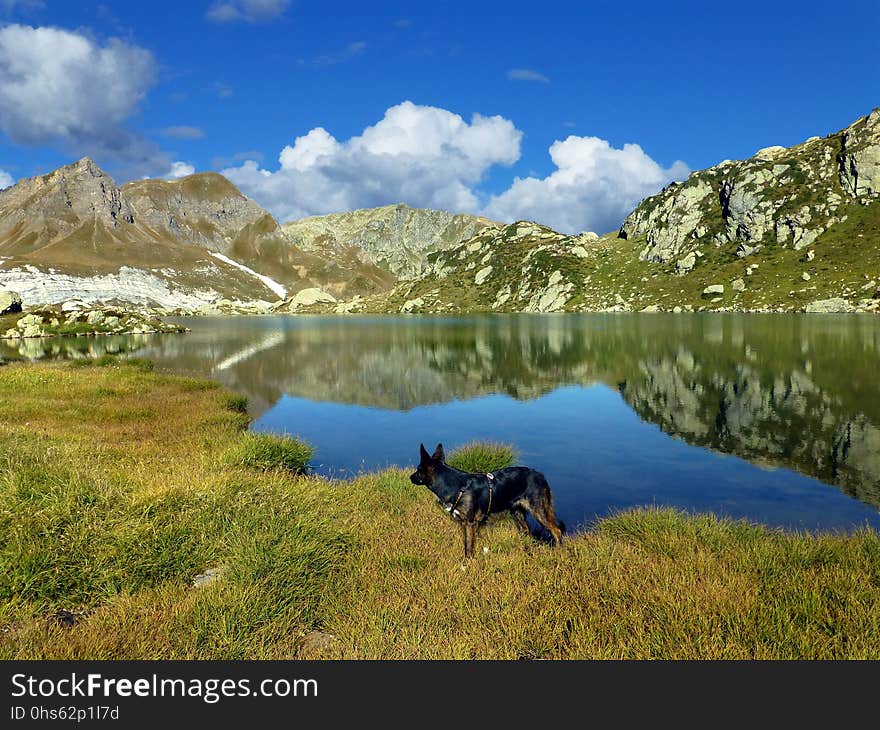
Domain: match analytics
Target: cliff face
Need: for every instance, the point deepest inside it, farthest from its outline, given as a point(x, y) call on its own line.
point(41, 211)
point(395, 238)
point(778, 197)
point(205, 209)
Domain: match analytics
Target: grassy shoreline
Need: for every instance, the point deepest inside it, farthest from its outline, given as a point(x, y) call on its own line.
point(118, 486)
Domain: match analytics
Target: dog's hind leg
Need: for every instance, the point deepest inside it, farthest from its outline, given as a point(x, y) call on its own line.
point(519, 517)
point(541, 507)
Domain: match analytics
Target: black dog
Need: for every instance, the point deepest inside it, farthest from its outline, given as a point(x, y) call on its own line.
point(471, 498)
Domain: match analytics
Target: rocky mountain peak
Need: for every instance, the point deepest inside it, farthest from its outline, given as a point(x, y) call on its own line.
point(396, 238)
point(780, 196)
point(67, 197)
point(87, 165)
point(204, 208)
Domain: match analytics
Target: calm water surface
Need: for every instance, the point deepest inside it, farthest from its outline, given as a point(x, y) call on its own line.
point(775, 418)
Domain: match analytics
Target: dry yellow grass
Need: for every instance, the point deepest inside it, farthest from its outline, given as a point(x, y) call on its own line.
point(116, 490)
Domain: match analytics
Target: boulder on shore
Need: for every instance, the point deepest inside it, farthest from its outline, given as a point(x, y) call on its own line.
point(310, 296)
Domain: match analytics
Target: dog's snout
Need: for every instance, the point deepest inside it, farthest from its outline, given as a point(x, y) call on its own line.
point(414, 477)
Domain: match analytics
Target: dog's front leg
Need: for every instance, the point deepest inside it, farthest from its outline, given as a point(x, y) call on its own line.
point(470, 537)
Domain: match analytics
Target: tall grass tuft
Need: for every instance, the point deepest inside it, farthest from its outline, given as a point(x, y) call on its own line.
point(267, 451)
point(236, 403)
point(482, 456)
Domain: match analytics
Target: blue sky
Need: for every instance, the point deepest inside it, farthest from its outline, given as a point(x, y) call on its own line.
point(228, 85)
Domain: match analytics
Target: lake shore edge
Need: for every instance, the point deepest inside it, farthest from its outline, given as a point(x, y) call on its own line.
point(135, 529)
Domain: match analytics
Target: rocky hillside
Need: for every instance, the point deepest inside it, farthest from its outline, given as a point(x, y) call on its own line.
point(183, 244)
point(793, 229)
point(809, 213)
point(780, 197)
point(395, 238)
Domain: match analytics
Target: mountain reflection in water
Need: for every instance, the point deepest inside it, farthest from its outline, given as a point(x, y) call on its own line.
point(794, 392)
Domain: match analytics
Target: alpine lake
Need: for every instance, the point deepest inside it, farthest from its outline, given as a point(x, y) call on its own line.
point(771, 418)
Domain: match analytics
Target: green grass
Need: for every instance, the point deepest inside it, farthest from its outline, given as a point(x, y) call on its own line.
point(115, 494)
point(266, 451)
point(236, 403)
point(481, 456)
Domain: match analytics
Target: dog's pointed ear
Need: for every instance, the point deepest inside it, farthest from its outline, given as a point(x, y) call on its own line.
point(423, 454)
point(439, 454)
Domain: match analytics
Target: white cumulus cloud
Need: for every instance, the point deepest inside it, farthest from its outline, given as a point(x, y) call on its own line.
point(593, 187)
point(6, 179)
point(421, 155)
point(59, 87)
point(251, 11)
point(178, 170)
point(430, 157)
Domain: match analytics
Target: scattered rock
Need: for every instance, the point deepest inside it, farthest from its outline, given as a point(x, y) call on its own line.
point(47, 322)
point(482, 275)
point(73, 305)
point(713, 290)
point(411, 305)
point(315, 644)
point(686, 264)
point(211, 575)
point(805, 276)
point(29, 320)
point(351, 306)
point(501, 297)
point(834, 305)
point(10, 302)
point(651, 308)
point(810, 255)
point(768, 153)
point(739, 285)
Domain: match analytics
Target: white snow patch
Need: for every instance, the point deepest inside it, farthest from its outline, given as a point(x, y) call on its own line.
point(271, 283)
point(131, 285)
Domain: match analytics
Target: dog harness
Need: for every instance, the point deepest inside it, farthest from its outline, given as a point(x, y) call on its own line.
point(452, 509)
